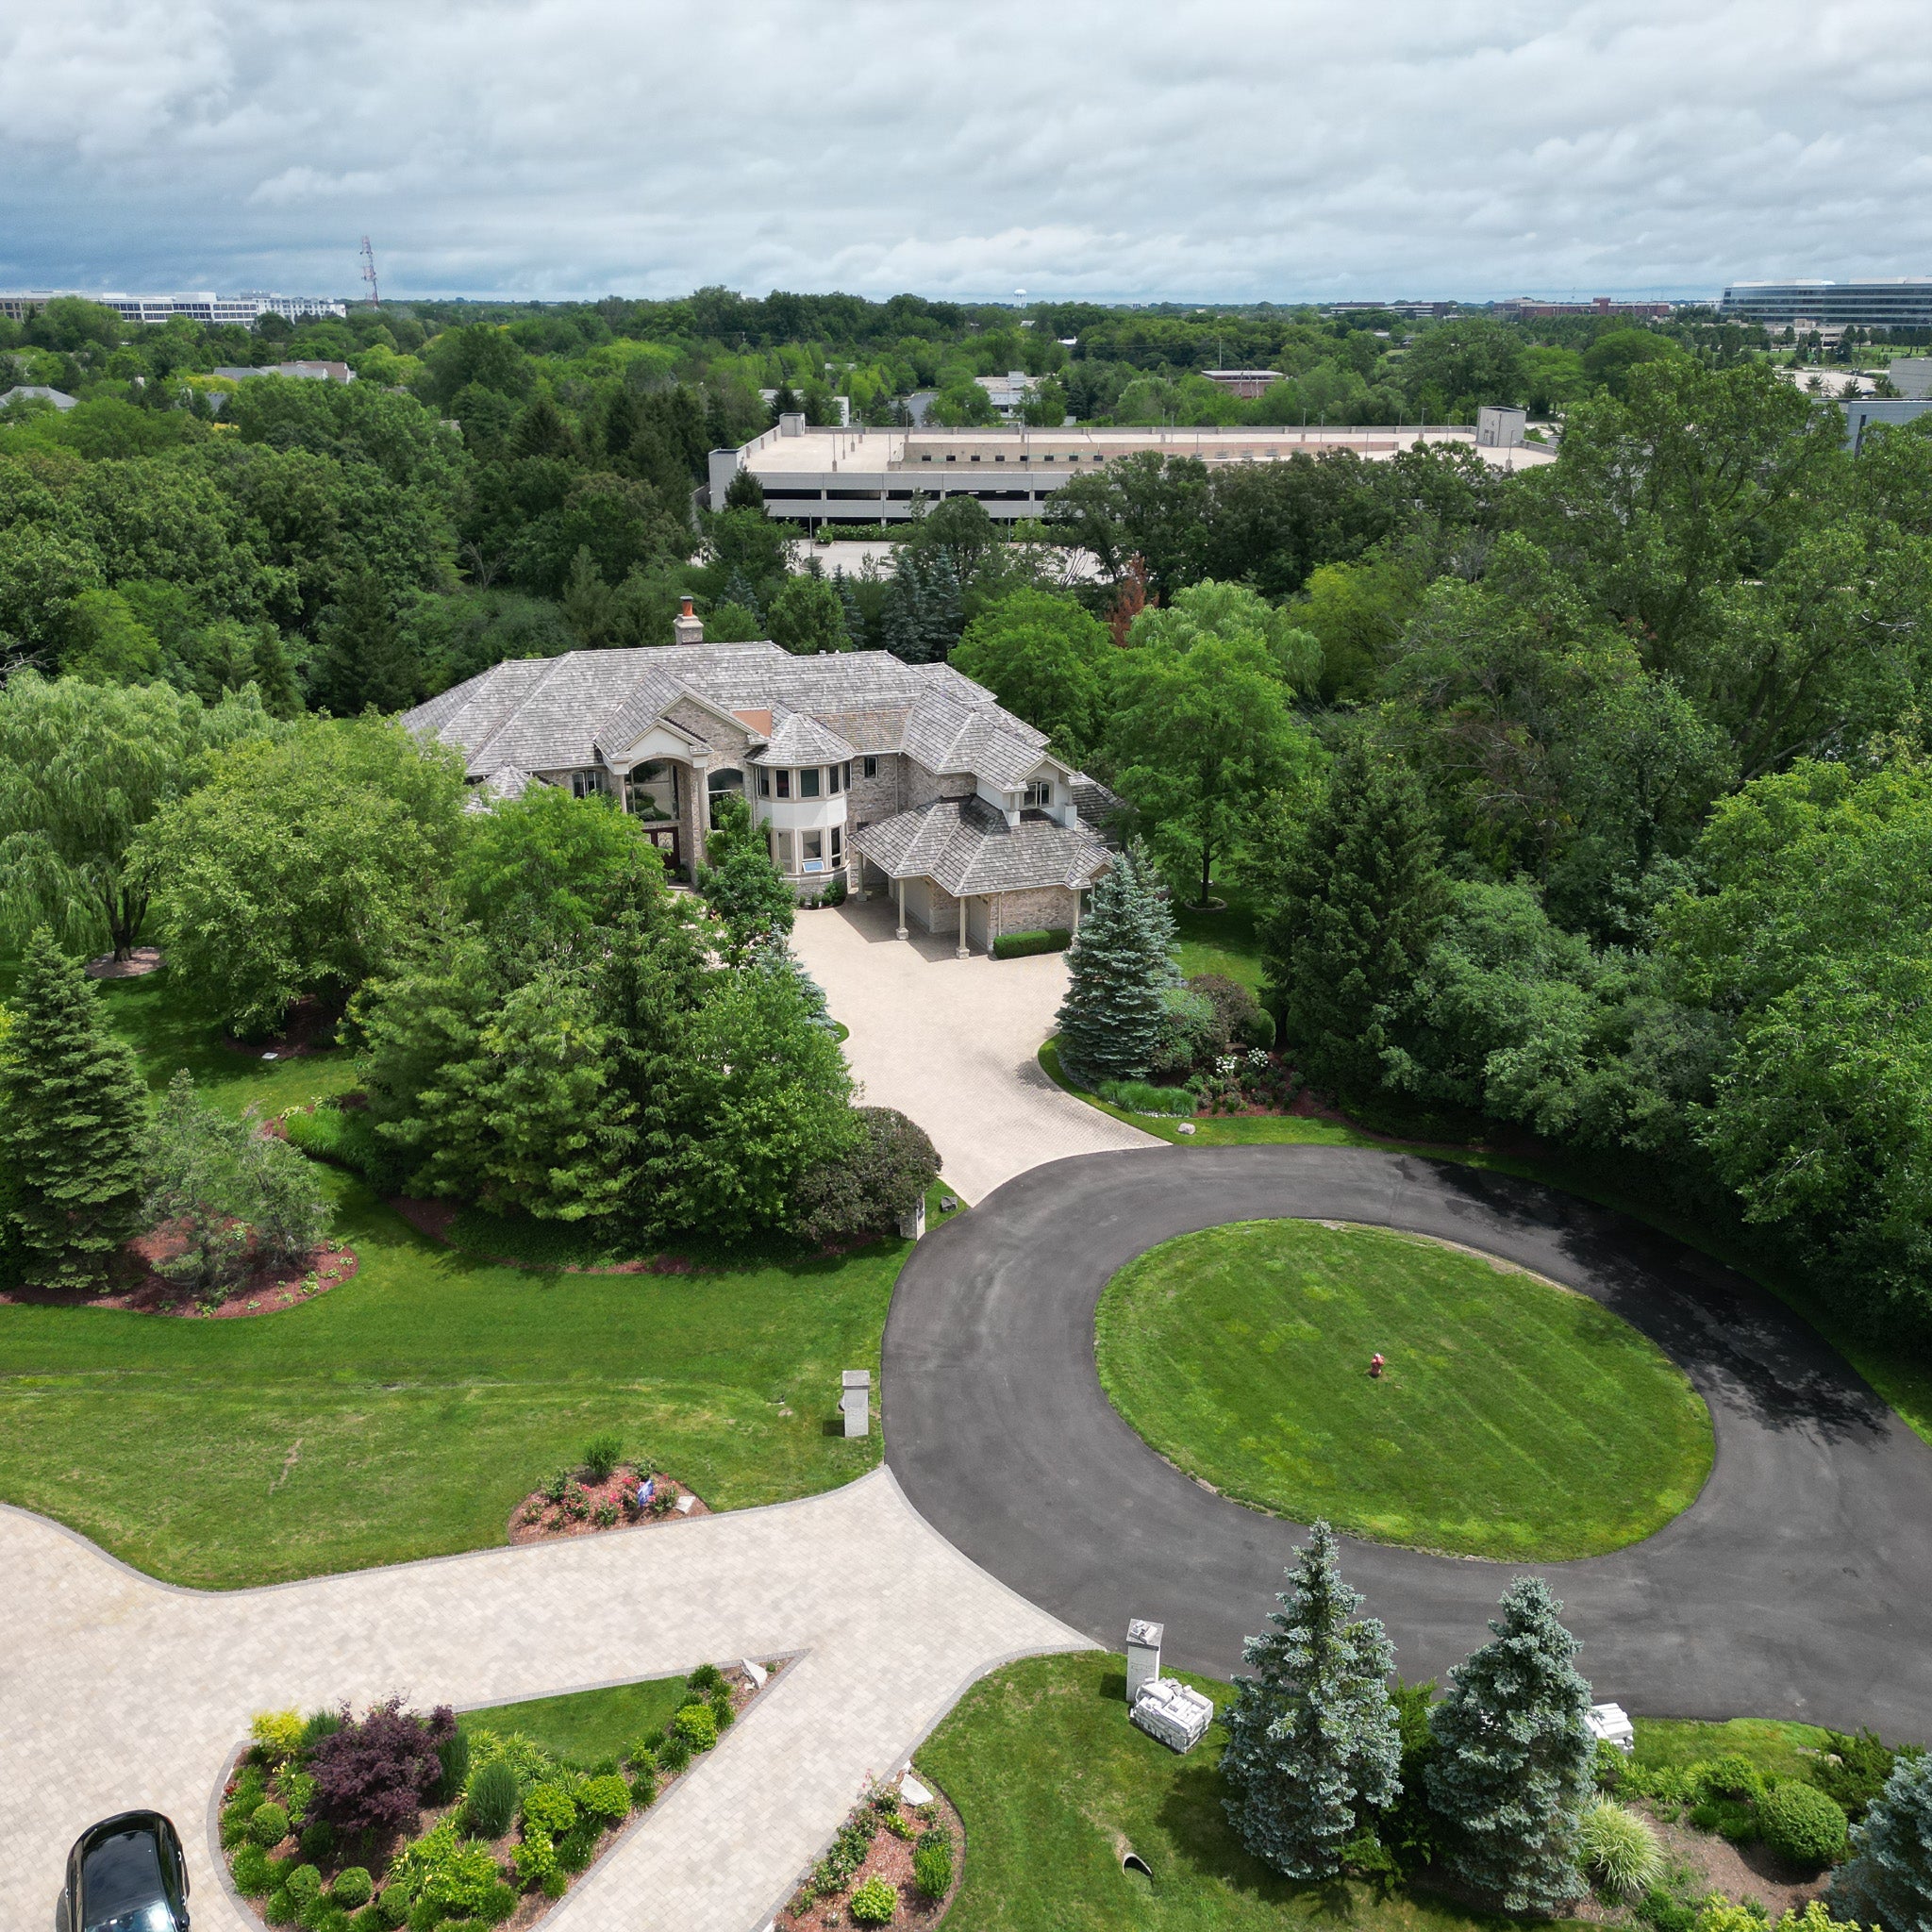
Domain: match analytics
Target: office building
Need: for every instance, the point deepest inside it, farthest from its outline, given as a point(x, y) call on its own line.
point(1863, 412)
point(817, 477)
point(1905, 303)
point(17, 304)
point(1245, 383)
point(1009, 393)
point(1523, 309)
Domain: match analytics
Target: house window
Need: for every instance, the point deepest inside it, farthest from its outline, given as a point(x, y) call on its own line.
point(651, 790)
point(870, 767)
point(784, 784)
point(847, 769)
point(809, 783)
point(781, 850)
point(764, 783)
point(811, 852)
point(838, 848)
point(1039, 796)
point(831, 777)
point(719, 784)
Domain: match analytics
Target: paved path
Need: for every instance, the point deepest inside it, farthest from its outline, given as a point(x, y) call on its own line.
point(118, 1691)
point(1798, 1584)
point(952, 1043)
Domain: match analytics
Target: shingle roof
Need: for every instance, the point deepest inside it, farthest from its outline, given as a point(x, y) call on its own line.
point(801, 740)
point(965, 846)
point(563, 713)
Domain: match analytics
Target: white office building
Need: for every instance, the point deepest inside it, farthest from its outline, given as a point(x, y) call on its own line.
point(816, 476)
point(203, 307)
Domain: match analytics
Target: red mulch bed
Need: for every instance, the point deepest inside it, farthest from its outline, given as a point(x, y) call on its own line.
point(890, 1858)
point(536, 1520)
point(138, 964)
point(135, 1283)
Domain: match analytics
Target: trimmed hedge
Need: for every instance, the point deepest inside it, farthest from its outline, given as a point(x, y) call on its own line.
point(1801, 1824)
point(1017, 945)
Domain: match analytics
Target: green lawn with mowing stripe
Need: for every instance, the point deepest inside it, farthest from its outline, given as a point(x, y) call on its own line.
point(1516, 1420)
point(584, 1727)
point(1052, 1782)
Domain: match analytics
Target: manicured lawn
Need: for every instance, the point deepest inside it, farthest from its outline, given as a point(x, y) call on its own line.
point(1516, 1418)
point(1223, 943)
point(1778, 1749)
point(405, 1413)
point(1052, 1781)
point(151, 1014)
point(585, 1726)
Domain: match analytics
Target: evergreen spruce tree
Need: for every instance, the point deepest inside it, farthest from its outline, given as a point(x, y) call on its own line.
point(73, 1110)
point(1514, 1760)
point(738, 591)
point(1887, 1879)
point(1313, 1739)
point(1121, 963)
point(942, 615)
point(363, 659)
point(901, 617)
point(1359, 907)
point(854, 616)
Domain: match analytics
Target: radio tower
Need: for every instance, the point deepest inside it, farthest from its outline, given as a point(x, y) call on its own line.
point(369, 273)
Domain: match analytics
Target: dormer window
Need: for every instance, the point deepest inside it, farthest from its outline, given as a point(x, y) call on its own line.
point(1037, 795)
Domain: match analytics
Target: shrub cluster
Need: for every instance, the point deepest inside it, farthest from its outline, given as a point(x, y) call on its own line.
point(1021, 945)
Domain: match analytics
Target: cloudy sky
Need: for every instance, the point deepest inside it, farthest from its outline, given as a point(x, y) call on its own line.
point(1140, 149)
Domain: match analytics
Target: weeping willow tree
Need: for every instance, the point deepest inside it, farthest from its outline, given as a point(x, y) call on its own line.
point(82, 768)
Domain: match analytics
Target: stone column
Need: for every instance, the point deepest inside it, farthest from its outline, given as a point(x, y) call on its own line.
point(963, 949)
point(856, 1403)
point(902, 909)
point(1143, 1656)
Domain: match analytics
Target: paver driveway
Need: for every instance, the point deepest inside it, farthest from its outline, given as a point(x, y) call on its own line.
point(118, 1691)
point(952, 1043)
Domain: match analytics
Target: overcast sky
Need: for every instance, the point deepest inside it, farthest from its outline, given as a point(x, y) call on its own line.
point(1143, 149)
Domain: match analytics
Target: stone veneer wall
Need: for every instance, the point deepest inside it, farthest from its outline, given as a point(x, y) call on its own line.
point(920, 786)
point(874, 798)
point(1046, 906)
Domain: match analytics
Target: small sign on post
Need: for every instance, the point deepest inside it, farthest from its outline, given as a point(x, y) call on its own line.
point(856, 1402)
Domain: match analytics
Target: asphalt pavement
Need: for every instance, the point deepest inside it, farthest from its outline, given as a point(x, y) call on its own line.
point(1798, 1584)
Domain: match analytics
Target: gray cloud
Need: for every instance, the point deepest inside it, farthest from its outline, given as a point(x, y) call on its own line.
point(558, 147)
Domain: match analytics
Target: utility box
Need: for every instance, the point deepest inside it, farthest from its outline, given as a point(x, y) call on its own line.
point(856, 1403)
point(1143, 1656)
point(1174, 1714)
point(1610, 1725)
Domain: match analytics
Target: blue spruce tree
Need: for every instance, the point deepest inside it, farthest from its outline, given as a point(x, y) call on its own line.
point(1313, 1737)
point(1514, 1762)
point(1121, 963)
point(1887, 1879)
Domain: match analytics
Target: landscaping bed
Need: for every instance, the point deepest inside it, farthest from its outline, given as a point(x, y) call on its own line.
point(397, 1818)
point(893, 1863)
point(136, 1282)
point(579, 1502)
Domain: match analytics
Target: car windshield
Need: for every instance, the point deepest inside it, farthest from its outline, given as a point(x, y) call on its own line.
point(121, 1885)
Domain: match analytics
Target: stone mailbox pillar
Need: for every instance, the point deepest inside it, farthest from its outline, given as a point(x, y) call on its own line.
point(1143, 1656)
point(912, 1223)
point(856, 1402)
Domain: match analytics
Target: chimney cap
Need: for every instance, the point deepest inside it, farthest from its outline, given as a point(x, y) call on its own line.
point(684, 604)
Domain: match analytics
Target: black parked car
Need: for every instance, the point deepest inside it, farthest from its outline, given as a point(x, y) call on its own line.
point(126, 1875)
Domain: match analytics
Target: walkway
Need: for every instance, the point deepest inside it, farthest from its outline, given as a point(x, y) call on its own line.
point(1798, 1584)
point(119, 1691)
point(952, 1043)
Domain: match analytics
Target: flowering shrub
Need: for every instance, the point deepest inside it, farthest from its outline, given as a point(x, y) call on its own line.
point(535, 1860)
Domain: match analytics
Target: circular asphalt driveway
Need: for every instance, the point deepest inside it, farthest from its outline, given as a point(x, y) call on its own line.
point(1798, 1584)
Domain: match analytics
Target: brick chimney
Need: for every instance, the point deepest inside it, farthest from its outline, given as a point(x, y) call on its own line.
point(686, 627)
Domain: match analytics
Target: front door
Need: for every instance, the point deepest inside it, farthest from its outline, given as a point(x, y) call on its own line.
point(665, 839)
